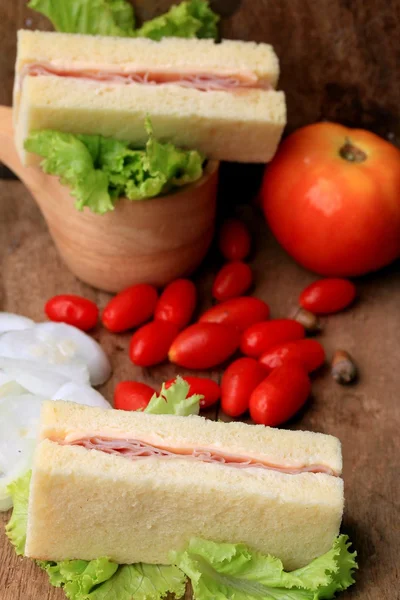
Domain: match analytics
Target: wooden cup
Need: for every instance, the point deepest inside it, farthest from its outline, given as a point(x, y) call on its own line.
point(148, 241)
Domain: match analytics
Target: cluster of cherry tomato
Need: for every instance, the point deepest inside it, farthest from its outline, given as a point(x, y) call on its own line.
point(271, 380)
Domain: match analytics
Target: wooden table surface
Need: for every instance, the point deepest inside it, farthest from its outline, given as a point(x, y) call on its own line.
point(365, 416)
point(338, 58)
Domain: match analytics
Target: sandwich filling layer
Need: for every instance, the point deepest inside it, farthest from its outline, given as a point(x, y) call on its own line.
point(134, 449)
point(201, 81)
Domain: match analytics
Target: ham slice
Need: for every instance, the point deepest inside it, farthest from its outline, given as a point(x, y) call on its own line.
point(136, 449)
point(200, 81)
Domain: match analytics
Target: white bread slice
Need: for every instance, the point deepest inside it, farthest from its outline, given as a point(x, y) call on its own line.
point(66, 50)
point(244, 126)
point(85, 504)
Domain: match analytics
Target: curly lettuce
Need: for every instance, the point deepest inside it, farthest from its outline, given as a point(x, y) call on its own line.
point(174, 400)
point(193, 18)
point(99, 170)
point(187, 20)
point(17, 525)
point(102, 579)
point(235, 572)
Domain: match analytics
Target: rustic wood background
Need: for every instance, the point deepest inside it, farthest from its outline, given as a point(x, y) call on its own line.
point(339, 61)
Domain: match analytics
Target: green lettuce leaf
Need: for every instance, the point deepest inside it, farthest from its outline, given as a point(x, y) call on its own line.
point(177, 167)
point(16, 527)
point(187, 20)
point(69, 158)
point(174, 400)
point(141, 582)
point(116, 17)
point(78, 578)
point(103, 580)
point(234, 572)
point(343, 577)
point(99, 170)
point(95, 17)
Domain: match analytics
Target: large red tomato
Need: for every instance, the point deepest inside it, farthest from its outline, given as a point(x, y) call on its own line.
point(331, 196)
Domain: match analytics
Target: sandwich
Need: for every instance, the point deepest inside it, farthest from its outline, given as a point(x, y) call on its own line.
point(137, 487)
point(217, 99)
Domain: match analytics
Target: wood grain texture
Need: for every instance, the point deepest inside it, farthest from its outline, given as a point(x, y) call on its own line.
point(366, 417)
point(339, 58)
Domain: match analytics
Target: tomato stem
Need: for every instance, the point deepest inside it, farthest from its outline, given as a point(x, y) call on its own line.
point(352, 153)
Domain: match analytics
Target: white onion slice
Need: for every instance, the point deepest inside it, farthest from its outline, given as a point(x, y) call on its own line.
point(12, 322)
point(52, 360)
point(19, 418)
point(57, 344)
point(77, 344)
point(43, 380)
point(81, 394)
point(19, 421)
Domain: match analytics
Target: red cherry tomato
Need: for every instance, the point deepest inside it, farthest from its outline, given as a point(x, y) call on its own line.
point(177, 303)
point(132, 395)
point(204, 345)
point(239, 312)
point(238, 382)
point(328, 296)
point(234, 279)
point(309, 353)
point(257, 338)
point(280, 395)
point(331, 198)
point(208, 388)
point(234, 240)
point(150, 344)
point(130, 308)
point(74, 310)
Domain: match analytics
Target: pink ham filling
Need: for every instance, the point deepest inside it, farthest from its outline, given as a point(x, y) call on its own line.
point(136, 449)
point(199, 81)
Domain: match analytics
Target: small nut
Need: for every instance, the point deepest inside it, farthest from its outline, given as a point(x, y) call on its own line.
point(310, 322)
point(343, 368)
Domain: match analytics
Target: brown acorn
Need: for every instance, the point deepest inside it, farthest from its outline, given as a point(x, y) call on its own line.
point(343, 367)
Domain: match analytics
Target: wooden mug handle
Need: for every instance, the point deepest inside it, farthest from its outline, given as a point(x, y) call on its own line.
point(8, 154)
point(30, 176)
